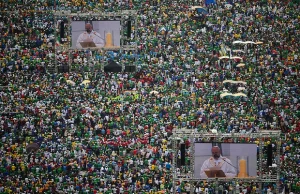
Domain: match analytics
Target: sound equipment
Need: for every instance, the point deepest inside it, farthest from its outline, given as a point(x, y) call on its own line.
point(129, 68)
point(62, 31)
point(182, 154)
point(128, 29)
point(63, 69)
point(269, 155)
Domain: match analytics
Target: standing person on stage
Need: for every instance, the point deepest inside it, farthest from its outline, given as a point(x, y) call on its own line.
point(90, 35)
point(216, 160)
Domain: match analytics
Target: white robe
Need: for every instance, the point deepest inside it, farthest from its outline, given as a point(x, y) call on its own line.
point(229, 170)
point(95, 36)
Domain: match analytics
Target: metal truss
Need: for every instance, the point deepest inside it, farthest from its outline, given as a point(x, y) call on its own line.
point(97, 14)
point(250, 180)
point(96, 60)
point(191, 134)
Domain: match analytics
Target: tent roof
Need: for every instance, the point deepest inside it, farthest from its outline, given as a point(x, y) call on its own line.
point(113, 67)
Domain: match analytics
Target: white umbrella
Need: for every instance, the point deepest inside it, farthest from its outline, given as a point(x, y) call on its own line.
point(236, 57)
point(195, 7)
point(259, 42)
point(241, 82)
point(154, 92)
point(249, 42)
point(225, 94)
point(241, 89)
point(227, 81)
point(241, 51)
point(241, 65)
point(71, 82)
point(237, 42)
point(228, 6)
point(127, 92)
point(224, 57)
point(82, 173)
point(230, 94)
point(86, 82)
point(234, 82)
point(239, 94)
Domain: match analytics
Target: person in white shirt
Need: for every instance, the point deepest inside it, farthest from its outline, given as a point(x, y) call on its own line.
point(218, 161)
point(90, 35)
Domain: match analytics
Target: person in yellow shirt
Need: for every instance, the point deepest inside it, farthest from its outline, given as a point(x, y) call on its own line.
point(13, 167)
point(237, 35)
point(164, 147)
point(152, 167)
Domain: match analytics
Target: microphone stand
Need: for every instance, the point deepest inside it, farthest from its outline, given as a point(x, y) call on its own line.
point(99, 37)
point(231, 165)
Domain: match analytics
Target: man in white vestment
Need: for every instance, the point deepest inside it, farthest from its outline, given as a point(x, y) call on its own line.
point(218, 161)
point(90, 35)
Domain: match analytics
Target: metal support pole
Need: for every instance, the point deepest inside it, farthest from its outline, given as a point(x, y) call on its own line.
point(217, 185)
point(55, 47)
point(192, 162)
point(192, 187)
point(122, 35)
point(103, 63)
point(174, 161)
point(260, 161)
point(70, 33)
point(278, 162)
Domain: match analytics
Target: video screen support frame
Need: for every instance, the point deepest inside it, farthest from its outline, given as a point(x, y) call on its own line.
point(126, 44)
point(183, 133)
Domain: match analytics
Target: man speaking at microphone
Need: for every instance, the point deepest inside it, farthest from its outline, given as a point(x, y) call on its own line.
point(218, 161)
point(90, 36)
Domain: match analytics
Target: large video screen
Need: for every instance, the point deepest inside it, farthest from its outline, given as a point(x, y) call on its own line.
point(225, 160)
point(95, 34)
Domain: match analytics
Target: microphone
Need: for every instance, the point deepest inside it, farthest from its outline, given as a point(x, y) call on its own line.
point(230, 164)
point(99, 36)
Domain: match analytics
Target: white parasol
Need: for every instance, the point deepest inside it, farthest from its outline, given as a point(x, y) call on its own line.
point(224, 57)
point(71, 82)
point(154, 92)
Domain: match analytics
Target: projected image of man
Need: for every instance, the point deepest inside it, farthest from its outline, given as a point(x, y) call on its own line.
point(216, 160)
point(90, 36)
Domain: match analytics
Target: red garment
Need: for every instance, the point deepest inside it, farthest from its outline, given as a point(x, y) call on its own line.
point(135, 152)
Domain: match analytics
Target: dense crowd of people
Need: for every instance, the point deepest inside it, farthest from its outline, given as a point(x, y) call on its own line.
point(100, 132)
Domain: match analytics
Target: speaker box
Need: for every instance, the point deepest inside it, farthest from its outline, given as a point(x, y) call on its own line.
point(63, 69)
point(269, 155)
point(182, 154)
point(62, 31)
point(130, 68)
point(128, 29)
